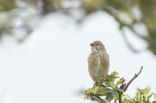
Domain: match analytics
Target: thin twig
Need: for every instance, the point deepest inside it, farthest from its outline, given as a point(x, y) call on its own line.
point(125, 86)
point(98, 99)
point(135, 76)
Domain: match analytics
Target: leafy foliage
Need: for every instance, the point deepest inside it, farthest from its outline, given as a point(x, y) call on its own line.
point(142, 96)
point(111, 86)
point(5, 5)
point(108, 87)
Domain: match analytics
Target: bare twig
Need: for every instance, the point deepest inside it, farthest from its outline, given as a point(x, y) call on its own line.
point(135, 76)
point(98, 99)
point(125, 86)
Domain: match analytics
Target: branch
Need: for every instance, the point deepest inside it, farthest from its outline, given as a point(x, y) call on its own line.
point(115, 14)
point(120, 97)
point(128, 43)
point(98, 99)
point(115, 101)
point(125, 86)
point(120, 93)
point(135, 76)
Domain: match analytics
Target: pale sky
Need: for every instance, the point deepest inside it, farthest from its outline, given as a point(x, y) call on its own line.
point(51, 65)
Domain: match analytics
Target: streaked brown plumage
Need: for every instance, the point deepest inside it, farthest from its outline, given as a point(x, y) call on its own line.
point(98, 61)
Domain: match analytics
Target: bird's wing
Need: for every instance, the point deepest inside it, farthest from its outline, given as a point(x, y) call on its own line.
point(104, 62)
point(92, 62)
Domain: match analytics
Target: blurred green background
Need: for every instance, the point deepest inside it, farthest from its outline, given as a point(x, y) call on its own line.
point(137, 16)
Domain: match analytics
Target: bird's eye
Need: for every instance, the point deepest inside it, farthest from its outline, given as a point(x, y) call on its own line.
point(97, 44)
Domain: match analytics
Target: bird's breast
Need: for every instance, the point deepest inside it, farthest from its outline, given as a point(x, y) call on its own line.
point(98, 65)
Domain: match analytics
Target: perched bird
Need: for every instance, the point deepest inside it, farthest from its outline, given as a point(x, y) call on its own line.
point(98, 61)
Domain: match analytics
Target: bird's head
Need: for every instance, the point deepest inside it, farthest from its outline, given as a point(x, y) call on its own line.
point(97, 46)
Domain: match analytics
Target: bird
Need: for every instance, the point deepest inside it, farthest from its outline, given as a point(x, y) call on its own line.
point(98, 61)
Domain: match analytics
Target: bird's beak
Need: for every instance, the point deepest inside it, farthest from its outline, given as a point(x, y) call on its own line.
point(91, 44)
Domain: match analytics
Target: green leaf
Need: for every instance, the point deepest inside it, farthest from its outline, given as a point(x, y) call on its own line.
point(93, 90)
point(119, 82)
point(146, 91)
point(105, 91)
point(148, 98)
point(118, 89)
point(114, 93)
point(154, 96)
point(109, 97)
point(6, 5)
point(112, 85)
point(144, 98)
point(154, 102)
